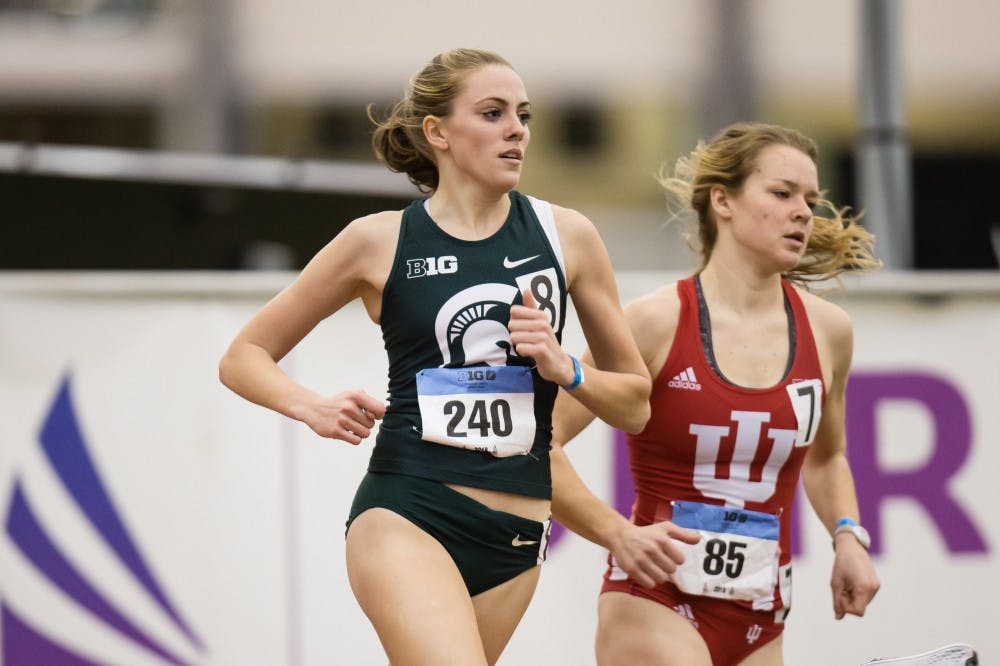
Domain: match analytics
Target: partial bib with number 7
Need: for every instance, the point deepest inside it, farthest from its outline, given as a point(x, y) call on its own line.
point(489, 409)
point(737, 557)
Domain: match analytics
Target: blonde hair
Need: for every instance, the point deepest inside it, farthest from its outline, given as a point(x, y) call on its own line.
point(837, 244)
point(399, 139)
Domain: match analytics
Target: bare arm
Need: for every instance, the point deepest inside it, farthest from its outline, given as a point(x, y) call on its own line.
point(616, 386)
point(334, 277)
point(648, 554)
point(826, 474)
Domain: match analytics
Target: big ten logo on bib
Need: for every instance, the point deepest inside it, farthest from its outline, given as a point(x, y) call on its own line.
point(489, 409)
point(737, 557)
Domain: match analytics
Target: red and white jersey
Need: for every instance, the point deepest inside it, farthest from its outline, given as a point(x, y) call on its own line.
point(713, 442)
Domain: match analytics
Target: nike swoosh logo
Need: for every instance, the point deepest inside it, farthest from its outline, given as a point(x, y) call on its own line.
point(517, 541)
point(507, 263)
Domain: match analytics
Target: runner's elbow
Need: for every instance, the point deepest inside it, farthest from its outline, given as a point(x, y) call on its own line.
point(637, 418)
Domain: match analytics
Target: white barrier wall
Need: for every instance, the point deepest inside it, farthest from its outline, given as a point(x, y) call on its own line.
point(152, 517)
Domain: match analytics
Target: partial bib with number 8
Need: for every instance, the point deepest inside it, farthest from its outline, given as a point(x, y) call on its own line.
point(737, 557)
point(489, 409)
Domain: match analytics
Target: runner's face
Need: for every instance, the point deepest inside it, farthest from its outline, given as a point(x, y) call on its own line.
point(772, 213)
point(487, 130)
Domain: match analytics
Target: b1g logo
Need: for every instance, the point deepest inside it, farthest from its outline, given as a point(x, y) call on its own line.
point(478, 375)
point(431, 266)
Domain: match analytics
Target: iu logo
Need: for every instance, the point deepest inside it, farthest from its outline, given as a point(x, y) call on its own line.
point(738, 488)
point(753, 634)
point(431, 266)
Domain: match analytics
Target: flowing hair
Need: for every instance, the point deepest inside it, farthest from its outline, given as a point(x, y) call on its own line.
point(838, 243)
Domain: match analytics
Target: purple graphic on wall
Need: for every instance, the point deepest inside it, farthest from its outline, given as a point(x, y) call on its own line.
point(927, 485)
point(22, 645)
point(66, 451)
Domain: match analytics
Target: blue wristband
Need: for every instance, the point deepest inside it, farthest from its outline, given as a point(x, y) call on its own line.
point(577, 374)
point(846, 521)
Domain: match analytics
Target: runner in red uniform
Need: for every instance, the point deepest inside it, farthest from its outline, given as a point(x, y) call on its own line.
point(750, 372)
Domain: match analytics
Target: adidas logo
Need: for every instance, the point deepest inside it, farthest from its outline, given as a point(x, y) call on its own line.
point(684, 610)
point(685, 380)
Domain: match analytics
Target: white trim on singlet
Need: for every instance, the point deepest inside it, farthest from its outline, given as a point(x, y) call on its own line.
point(543, 211)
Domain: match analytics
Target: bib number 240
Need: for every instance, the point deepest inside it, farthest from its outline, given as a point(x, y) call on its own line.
point(492, 418)
point(483, 409)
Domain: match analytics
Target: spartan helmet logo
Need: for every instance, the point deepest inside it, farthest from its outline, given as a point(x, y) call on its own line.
point(471, 326)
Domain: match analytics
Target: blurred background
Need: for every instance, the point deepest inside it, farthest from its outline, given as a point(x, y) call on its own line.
point(167, 165)
point(617, 91)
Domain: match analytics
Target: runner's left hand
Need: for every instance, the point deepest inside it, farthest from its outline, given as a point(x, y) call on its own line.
point(532, 335)
point(854, 582)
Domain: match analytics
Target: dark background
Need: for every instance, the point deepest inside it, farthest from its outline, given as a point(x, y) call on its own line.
point(74, 223)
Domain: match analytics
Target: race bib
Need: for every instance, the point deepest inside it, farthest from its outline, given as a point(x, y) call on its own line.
point(806, 397)
point(737, 557)
point(489, 409)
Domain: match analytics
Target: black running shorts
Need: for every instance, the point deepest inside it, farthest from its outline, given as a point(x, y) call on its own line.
point(489, 547)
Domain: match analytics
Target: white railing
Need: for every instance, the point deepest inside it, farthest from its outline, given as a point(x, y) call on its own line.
point(204, 168)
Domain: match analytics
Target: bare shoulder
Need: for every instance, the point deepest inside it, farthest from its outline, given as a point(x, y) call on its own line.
point(572, 223)
point(376, 227)
point(832, 330)
point(829, 317)
point(653, 320)
point(367, 238)
point(582, 247)
point(362, 253)
point(660, 306)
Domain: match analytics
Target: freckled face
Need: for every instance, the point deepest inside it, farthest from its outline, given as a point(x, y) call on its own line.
point(487, 129)
point(772, 213)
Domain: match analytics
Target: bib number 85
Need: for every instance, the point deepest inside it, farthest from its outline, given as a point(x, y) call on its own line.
point(722, 557)
point(737, 557)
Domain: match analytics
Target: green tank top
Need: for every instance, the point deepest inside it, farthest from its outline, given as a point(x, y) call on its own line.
point(463, 407)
